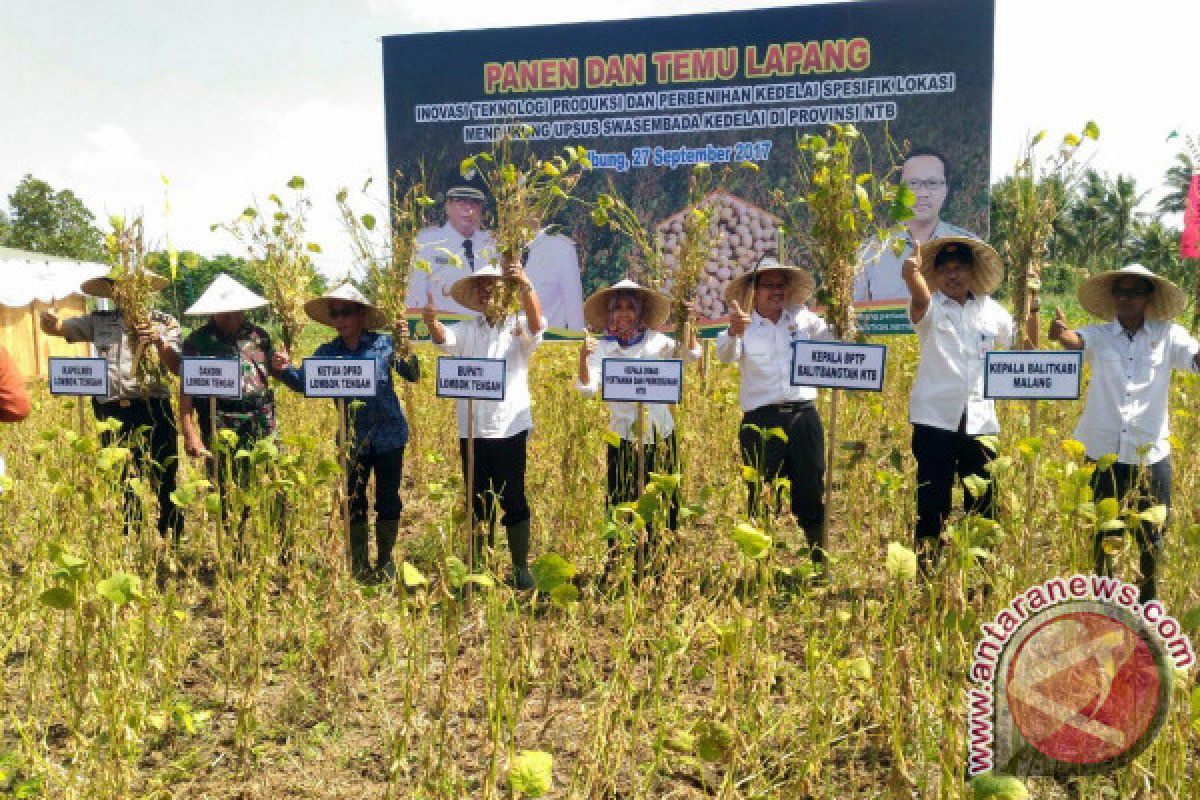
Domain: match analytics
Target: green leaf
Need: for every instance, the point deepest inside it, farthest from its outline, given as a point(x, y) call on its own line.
point(120, 588)
point(990, 786)
point(564, 595)
point(456, 572)
point(714, 741)
point(297, 182)
point(1191, 620)
point(412, 576)
point(901, 207)
point(531, 773)
point(976, 485)
point(1091, 130)
point(753, 543)
point(901, 562)
point(612, 438)
point(1071, 140)
point(857, 667)
point(368, 221)
point(551, 571)
point(1155, 515)
point(58, 597)
point(111, 457)
point(1108, 509)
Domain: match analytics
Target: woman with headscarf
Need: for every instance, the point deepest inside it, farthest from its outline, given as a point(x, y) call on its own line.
point(628, 315)
point(379, 428)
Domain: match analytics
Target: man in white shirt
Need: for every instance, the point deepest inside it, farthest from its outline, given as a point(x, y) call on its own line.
point(956, 325)
point(459, 247)
point(456, 249)
point(761, 343)
point(1126, 414)
point(928, 177)
point(501, 427)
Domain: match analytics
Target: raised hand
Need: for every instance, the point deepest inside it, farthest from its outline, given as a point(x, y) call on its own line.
point(912, 265)
point(50, 323)
point(428, 314)
point(1058, 325)
point(739, 320)
point(280, 360)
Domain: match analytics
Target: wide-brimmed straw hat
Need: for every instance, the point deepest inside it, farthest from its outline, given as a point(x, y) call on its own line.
point(801, 284)
point(318, 307)
point(224, 295)
point(987, 269)
point(655, 306)
point(101, 286)
point(1167, 300)
point(463, 291)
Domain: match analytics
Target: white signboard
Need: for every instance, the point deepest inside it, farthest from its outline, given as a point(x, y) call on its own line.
point(1033, 374)
point(838, 365)
point(639, 380)
point(339, 377)
point(79, 376)
point(211, 377)
point(474, 378)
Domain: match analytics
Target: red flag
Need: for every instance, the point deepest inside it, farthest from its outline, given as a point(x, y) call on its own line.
point(1189, 242)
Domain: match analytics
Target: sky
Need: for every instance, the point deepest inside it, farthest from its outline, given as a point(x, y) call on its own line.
point(228, 100)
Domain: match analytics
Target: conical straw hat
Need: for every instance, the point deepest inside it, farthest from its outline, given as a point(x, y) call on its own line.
point(318, 307)
point(223, 295)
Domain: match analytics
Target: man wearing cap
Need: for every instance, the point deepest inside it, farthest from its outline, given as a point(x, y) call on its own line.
point(380, 430)
point(134, 402)
point(456, 249)
point(1126, 416)
point(760, 340)
point(926, 173)
point(461, 245)
point(957, 323)
point(229, 335)
point(501, 427)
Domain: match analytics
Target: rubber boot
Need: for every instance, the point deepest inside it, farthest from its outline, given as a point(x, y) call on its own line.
point(386, 531)
point(360, 562)
point(518, 546)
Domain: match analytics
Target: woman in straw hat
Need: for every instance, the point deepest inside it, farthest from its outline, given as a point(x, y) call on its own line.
point(135, 402)
point(501, 427)
point(380, 429)
point(957, 323)
point(228, 334)
point(1125, 422)
point(628, 315)
point(767, 315)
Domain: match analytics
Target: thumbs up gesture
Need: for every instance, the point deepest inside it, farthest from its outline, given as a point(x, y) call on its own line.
point(1058, 326)
point(739, 320)
point(912, 264)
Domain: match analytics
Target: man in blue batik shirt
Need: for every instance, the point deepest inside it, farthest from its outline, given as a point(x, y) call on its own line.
point(380, 430)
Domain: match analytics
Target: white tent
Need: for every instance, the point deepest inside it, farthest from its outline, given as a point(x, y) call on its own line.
point(29, 284)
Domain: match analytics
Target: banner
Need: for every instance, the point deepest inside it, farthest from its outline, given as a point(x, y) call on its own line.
point(651, 98)
point(1189, 242)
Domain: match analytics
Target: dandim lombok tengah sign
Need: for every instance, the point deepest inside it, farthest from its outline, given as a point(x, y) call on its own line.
point(1033, 374)
point(211, 377)
point(339, 377)
point(471, 378)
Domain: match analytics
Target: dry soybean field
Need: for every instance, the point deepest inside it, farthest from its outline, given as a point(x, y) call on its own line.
point(223, 671)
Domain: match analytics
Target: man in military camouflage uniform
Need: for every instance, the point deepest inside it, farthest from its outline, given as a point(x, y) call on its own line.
point(229, 335)
point(139, 405)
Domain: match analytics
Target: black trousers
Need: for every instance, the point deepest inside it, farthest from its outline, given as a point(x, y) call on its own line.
point(942, 458)
point(801, 459)
point(662, 456)
point(155, 455)
point(1141, 488)
point(388, 467)
point(499, 477)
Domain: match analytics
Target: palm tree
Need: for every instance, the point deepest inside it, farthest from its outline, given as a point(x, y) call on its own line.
point(1156, 246)
point(1178, 179)
point(1119, 205)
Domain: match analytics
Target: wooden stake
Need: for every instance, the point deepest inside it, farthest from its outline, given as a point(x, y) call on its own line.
point(343, 458)
point(641, 450)
point(471, 485)
point(830, 454)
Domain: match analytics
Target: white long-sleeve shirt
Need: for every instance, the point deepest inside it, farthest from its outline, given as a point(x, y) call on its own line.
point(553, 268)
point(623, 416)
point(1126, 407)
point(764, 356)
point(954, 340)
point(511, 341)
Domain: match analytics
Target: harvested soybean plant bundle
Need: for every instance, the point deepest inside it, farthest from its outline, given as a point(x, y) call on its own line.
point(528, 192)
point(133, 290)
point(282, 258)
point(388, 262)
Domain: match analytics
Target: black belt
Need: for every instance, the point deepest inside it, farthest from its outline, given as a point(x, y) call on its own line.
point(787, 408)
point(126, 402)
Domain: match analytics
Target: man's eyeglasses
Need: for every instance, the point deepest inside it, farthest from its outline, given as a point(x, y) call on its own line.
point(770, 287)
point(951, 266)
point(1129, 294)
point(929, 185)
point(342, 311)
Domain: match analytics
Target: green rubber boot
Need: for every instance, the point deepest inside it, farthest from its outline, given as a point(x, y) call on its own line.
point(386, 531)
point(518, 545)
point(360, 562)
